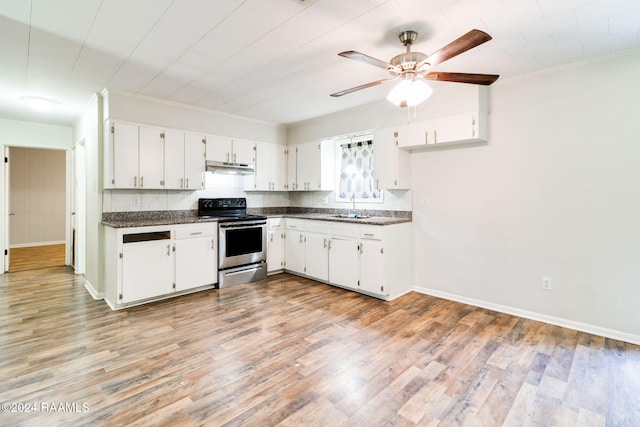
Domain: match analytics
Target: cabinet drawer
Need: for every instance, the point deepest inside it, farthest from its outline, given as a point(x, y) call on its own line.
point(343, 230)
point(275, 223)
point(198, 230)
point(371, 233)
point(320, 227)
point(295, 224)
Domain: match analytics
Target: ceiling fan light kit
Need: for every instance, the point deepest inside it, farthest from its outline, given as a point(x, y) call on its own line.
point(413, 68)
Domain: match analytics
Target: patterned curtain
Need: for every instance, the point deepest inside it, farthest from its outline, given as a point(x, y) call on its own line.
point(356, 172)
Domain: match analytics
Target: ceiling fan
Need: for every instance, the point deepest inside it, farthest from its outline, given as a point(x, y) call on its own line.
point(415, 66)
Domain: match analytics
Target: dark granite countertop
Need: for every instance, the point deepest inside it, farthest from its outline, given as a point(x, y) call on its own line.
point(151, 218)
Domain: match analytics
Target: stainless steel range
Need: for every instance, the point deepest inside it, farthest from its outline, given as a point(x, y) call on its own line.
point(242, 240)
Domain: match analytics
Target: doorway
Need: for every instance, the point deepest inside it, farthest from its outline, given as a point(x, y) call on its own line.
point(37, 207)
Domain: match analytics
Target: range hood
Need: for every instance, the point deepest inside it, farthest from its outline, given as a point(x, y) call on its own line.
point(229, 168)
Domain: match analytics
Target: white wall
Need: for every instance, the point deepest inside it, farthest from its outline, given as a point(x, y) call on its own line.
point(554, 193)
point(37, 196)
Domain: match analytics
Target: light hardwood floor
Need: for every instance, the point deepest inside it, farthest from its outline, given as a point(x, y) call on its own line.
point(290, 351)
point(34, 257)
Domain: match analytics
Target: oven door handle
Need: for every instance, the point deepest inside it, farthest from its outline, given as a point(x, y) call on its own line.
point(243, 225)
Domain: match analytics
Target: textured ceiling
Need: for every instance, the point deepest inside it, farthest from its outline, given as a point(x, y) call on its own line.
point(276, 60)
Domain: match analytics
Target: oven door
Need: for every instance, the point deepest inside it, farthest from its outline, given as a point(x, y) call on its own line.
point(242, 243)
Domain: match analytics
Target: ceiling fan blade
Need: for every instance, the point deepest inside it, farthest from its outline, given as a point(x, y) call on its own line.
point(364, 86)
point(462, 44)
point(352, 54)
point(478, 79)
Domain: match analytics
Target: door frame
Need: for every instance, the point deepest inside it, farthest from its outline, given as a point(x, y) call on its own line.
point(4, 205)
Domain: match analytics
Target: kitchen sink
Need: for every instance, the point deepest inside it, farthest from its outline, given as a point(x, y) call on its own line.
point(351, 216)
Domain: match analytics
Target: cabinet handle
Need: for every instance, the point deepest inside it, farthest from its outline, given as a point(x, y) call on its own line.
point(329, 244)
point(135, 182)
point(368, 234)
point(168, 250)
point(142, 182)
point(195, 233)
point(181, 182)
point(235, 156)
point(213, 244)
point(324, 245)
point(435, 136)
point(187, 183)
point(271, 237)
point(301, 238)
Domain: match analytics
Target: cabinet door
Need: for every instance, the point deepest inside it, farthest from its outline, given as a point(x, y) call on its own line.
point(243, 151)
point(151, 146)
point(392, 165)
point(343, 262)
point(461, 127)
point(414, 135)
point(262, 178)
point(308, 166)
point(147, 270)
point(196, 262)
point(174, 160)
point(371, 266)
point(125, 155)
point(194, 146)
point(294, 251)
point(292, 168)
point(316, 256)
point(279, 168)
point(275, 245)
point(218, 148)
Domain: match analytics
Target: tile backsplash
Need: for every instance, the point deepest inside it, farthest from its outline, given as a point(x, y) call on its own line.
point(219, 185)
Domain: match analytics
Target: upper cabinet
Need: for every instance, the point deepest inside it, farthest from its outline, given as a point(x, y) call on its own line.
point(392, 166)
point(270, 168)
point(145, 157)
point(311, 166)
point(466, 127)
point(185, 160)
point(229, 150)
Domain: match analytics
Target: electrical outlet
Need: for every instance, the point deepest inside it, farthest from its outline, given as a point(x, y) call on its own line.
point(136, 200)
point(325, 201)
point(546, 283)
point(425, 202)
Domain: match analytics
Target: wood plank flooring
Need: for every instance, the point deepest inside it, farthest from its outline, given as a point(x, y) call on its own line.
point(292, 352)
point(34, 257)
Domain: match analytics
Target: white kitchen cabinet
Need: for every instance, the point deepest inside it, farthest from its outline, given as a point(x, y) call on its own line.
point(294, 246)
point(392, 166)
point(371, 259)
point(316, 247)
point(196, 255)
point(467, 127)
point(121, 156)
point(151, 158)
point(230, 150)
point(152, 262)
point(134, 156)
point(275, 244)
point(310, 166)
point(371, 266)
point(147, 265)
point(270, 168)
point(343, 261)
point(184, 160)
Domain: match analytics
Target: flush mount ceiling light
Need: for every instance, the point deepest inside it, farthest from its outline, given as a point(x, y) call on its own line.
point(409, 93)
point(39, 103)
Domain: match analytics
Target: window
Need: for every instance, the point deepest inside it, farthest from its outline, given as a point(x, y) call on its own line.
point(356, 181)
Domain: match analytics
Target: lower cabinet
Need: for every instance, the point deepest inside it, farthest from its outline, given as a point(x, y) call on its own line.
point(144, 263)
point(275, 244)
point(196, 253)
point(147, 267)
point(375, 260)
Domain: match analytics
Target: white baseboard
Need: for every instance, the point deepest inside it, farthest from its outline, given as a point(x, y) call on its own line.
point(28, 245)
point(92, 291)
point(565, 323)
